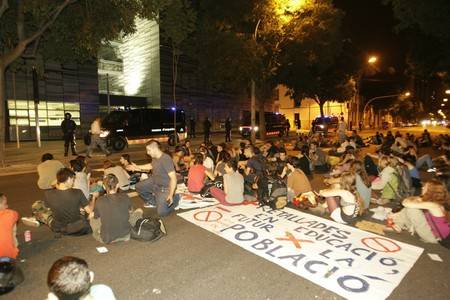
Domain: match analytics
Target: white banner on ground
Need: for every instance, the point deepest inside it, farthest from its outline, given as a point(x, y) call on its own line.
point(189, 200)
point(350, 262)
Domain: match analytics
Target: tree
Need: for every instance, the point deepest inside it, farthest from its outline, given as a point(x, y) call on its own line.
point(426, 24)
point(238, 45)
point(47, 30)
point(177, 21)
point(319, 64)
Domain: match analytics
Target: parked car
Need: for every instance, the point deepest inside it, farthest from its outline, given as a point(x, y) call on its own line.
point(325, 124)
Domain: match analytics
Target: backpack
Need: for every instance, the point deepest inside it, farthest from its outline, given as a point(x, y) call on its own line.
point(205, 192)
point(148, 229)
point(402, 190)
point(277, 194)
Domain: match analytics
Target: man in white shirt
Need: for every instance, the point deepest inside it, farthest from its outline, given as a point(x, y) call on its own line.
point(96, 140)
point(47, 170)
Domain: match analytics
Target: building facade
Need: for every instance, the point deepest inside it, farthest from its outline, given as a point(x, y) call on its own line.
point(134, 71)
point(308, 109)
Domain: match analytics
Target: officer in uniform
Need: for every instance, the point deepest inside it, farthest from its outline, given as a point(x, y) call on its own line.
point(68, 127)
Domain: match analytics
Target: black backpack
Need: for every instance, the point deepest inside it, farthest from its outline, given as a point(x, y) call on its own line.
point(148, 229)
point(206, 190)
point(277, 194)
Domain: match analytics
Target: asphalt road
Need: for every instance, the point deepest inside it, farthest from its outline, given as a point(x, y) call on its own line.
point(189, 263)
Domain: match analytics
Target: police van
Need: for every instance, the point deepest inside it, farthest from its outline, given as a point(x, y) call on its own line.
point(121, 128)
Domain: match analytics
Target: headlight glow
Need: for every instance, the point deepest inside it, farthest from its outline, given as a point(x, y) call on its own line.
point(240, 128)
point(256, 128)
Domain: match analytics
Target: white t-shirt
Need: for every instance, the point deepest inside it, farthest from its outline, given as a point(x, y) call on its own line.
point(122, 176)
point(81, 182)
point(47, 173)
point(208, 163)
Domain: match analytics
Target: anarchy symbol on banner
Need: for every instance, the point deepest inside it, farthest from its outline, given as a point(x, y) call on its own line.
point(381, 244)
point(208, 216)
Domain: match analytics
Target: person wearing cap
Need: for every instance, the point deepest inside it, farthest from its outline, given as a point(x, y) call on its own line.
point(68, 128)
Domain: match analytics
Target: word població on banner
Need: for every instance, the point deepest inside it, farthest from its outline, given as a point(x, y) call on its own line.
point(348, 261)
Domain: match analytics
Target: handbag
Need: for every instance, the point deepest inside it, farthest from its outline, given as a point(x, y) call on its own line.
point(444, 241)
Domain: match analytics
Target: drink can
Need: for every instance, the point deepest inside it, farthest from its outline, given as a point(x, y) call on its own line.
point(389, 222)
point(27, 236)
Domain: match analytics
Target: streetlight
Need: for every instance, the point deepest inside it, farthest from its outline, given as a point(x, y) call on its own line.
point(445, 100)
point(407, 94)
point(372, 59)
point(447, 92)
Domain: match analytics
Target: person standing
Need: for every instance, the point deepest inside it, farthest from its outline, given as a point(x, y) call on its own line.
point(207, 130)
point(68, 127)
point(288, 127)
point(228, 130)
point(342, 129)
point(96, 140)
point(192, 127)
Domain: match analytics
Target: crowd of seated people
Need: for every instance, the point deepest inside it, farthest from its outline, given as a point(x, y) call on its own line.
point(74, 203)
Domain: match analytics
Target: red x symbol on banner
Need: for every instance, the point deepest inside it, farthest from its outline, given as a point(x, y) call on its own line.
point(293, 239)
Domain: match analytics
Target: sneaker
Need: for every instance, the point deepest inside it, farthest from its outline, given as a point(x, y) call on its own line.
point(149, 205)
point(30, 221)
point(431, 170)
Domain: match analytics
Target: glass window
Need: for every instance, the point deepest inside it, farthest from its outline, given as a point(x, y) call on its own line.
point(55, 106)
point(71, 106)
point(21, 113)
point(21, 104)
point(42, 105)
point(11, 104)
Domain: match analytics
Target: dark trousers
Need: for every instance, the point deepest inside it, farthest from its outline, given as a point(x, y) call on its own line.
point(228, 136)
point(207, 137)
point(69, 139)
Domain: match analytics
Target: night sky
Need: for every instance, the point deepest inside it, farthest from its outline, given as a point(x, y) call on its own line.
point(371, 26)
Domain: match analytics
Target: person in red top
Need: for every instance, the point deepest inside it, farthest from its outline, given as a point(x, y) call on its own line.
point(8, 222)
point(197, 174)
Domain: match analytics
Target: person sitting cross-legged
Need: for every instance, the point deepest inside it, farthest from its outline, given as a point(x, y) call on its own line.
point(61, 208)
point(113, 215)
point(70, 278)
point(197, 174)
point(233, 184)
point(8, 229)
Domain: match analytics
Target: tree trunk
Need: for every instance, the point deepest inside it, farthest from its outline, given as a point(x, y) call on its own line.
point(253, 111)
point(321, 104)
point(262, 120)
point(174, 91)
point(2, 114)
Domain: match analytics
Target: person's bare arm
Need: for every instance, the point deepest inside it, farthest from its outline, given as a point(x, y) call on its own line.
point(210, 174)
point(415, 202)
point(139, 168)
point(172, 186)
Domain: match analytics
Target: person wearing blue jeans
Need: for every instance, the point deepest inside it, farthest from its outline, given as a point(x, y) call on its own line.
point(424, 160)
point(156, 195)
point(159, 189)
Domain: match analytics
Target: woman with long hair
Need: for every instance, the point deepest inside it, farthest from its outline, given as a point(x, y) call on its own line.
point(362, 182)
point(344, 202)
point(425, 214)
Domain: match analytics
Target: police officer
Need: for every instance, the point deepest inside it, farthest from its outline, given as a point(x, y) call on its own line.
point(68, 127)
point(207, 130)
point(228, 130)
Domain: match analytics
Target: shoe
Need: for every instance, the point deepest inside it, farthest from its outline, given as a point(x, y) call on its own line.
point(149, 205)
point(431, 170)
point(30, 221)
